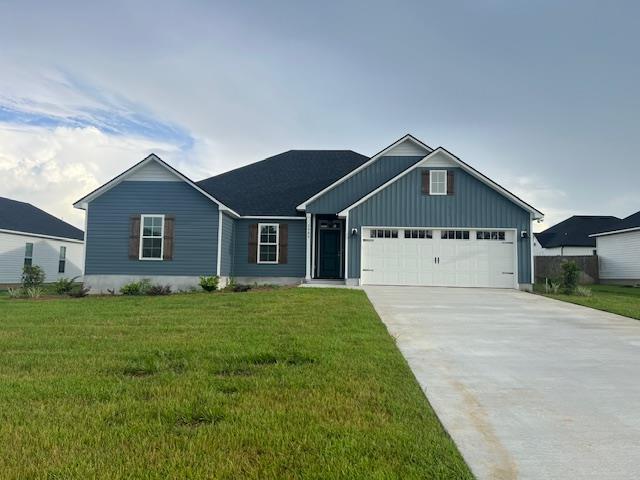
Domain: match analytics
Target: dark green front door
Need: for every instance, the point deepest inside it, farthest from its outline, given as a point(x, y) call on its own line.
point(329, 254)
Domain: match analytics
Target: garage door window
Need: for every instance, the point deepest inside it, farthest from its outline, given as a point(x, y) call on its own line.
point(418, 234)
point(489, 235)
point(386, 233)
point(454, 234)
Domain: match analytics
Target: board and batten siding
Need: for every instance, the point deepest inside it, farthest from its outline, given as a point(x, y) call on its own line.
point(46, 255)
point(226, 251)
point(195, 235)
point(619, 256)
point(361, 183)
point(474, 204)
point(295, 266)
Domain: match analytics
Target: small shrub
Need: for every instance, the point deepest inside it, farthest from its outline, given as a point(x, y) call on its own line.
point(136, 288)
point(15, 292)
point(64, 285)
point(583, 291)
point(32, 276)
point(209, 284)
point(159, 290)
point(34, 292)
point(78, 291)
point(570, 272)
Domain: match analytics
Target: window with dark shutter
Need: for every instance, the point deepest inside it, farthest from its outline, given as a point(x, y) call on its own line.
point(425, 182)
point(450, 182)
point(134, 237)
point(283, 243)
point(253, 243)
point(169, 227)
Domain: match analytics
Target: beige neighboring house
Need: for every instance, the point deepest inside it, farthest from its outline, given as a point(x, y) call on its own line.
point(30, 236)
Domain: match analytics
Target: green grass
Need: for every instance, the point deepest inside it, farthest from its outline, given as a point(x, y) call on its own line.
point(291, 383)
point(610, 298)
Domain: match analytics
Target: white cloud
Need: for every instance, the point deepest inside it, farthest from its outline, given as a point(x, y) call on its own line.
point(537, 191)
point(52, 168)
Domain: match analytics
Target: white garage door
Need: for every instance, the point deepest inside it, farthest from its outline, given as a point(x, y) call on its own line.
point(432, 257)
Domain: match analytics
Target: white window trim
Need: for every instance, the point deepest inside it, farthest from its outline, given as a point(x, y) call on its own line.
point(431, 192)
point(277, 227)
point(140, 257)
point(61, 258)
point(33, 248)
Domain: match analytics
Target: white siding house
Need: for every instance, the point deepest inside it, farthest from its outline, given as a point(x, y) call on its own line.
point(569, 251)
point(571, 237)
point(57, 257)
point(30, 236)
point(619, 251)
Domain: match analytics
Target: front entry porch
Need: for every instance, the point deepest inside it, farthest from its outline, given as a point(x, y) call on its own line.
point(327, 248)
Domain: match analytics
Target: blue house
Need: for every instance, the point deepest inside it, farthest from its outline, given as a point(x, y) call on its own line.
point(409, 215)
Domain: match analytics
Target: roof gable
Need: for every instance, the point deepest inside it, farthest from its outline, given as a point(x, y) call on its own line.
point(575, 231)
point(151, 168)
point(450, 157)
point(404, 146)
point(21, 217)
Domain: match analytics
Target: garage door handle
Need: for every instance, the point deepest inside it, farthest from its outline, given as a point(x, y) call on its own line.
point(507, 273)
point(367, 270)
point(367, 240)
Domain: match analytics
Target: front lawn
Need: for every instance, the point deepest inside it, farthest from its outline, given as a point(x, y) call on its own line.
point(610, 298)
point(290, 383)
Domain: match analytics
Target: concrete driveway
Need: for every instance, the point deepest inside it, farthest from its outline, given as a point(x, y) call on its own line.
point(528, 387)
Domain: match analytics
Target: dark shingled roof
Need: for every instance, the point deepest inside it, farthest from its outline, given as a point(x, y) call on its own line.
point(278, 184)
point(632, 221)
point(575, 231)
point(24, 217)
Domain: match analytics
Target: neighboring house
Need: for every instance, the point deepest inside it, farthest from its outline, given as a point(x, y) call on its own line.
point(619, 251)
point(30, 236)
point(409, 215)
point(571, 236)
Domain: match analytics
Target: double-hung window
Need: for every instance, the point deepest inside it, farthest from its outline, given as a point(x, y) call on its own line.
point(62, 261)
point(151, 237)
point(28, 254)
point(268, 242)
point(438, 182)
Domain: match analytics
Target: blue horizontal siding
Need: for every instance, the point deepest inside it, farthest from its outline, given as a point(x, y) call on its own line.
point(474, 204)
point(358, 185)
point(195, 236)
point(295, 266)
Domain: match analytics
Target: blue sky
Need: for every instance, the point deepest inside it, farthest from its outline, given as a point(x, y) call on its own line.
point(541, 96)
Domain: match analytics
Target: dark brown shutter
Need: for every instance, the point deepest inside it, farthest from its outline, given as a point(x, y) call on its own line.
point(283, 243)
point(253, 243)
point(169, 224)
point(425, 182)
point(450, 183)
point(134, 238)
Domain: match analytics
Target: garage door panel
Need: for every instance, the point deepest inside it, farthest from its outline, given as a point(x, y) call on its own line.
point(485, 259)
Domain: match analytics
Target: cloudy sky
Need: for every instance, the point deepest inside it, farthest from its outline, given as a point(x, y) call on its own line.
point(541, 96)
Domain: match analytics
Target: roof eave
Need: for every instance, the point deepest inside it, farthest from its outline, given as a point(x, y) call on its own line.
point(614, 232)
point(84, 201)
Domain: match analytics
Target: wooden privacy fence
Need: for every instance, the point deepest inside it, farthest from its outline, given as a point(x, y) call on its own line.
point(551, 267)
